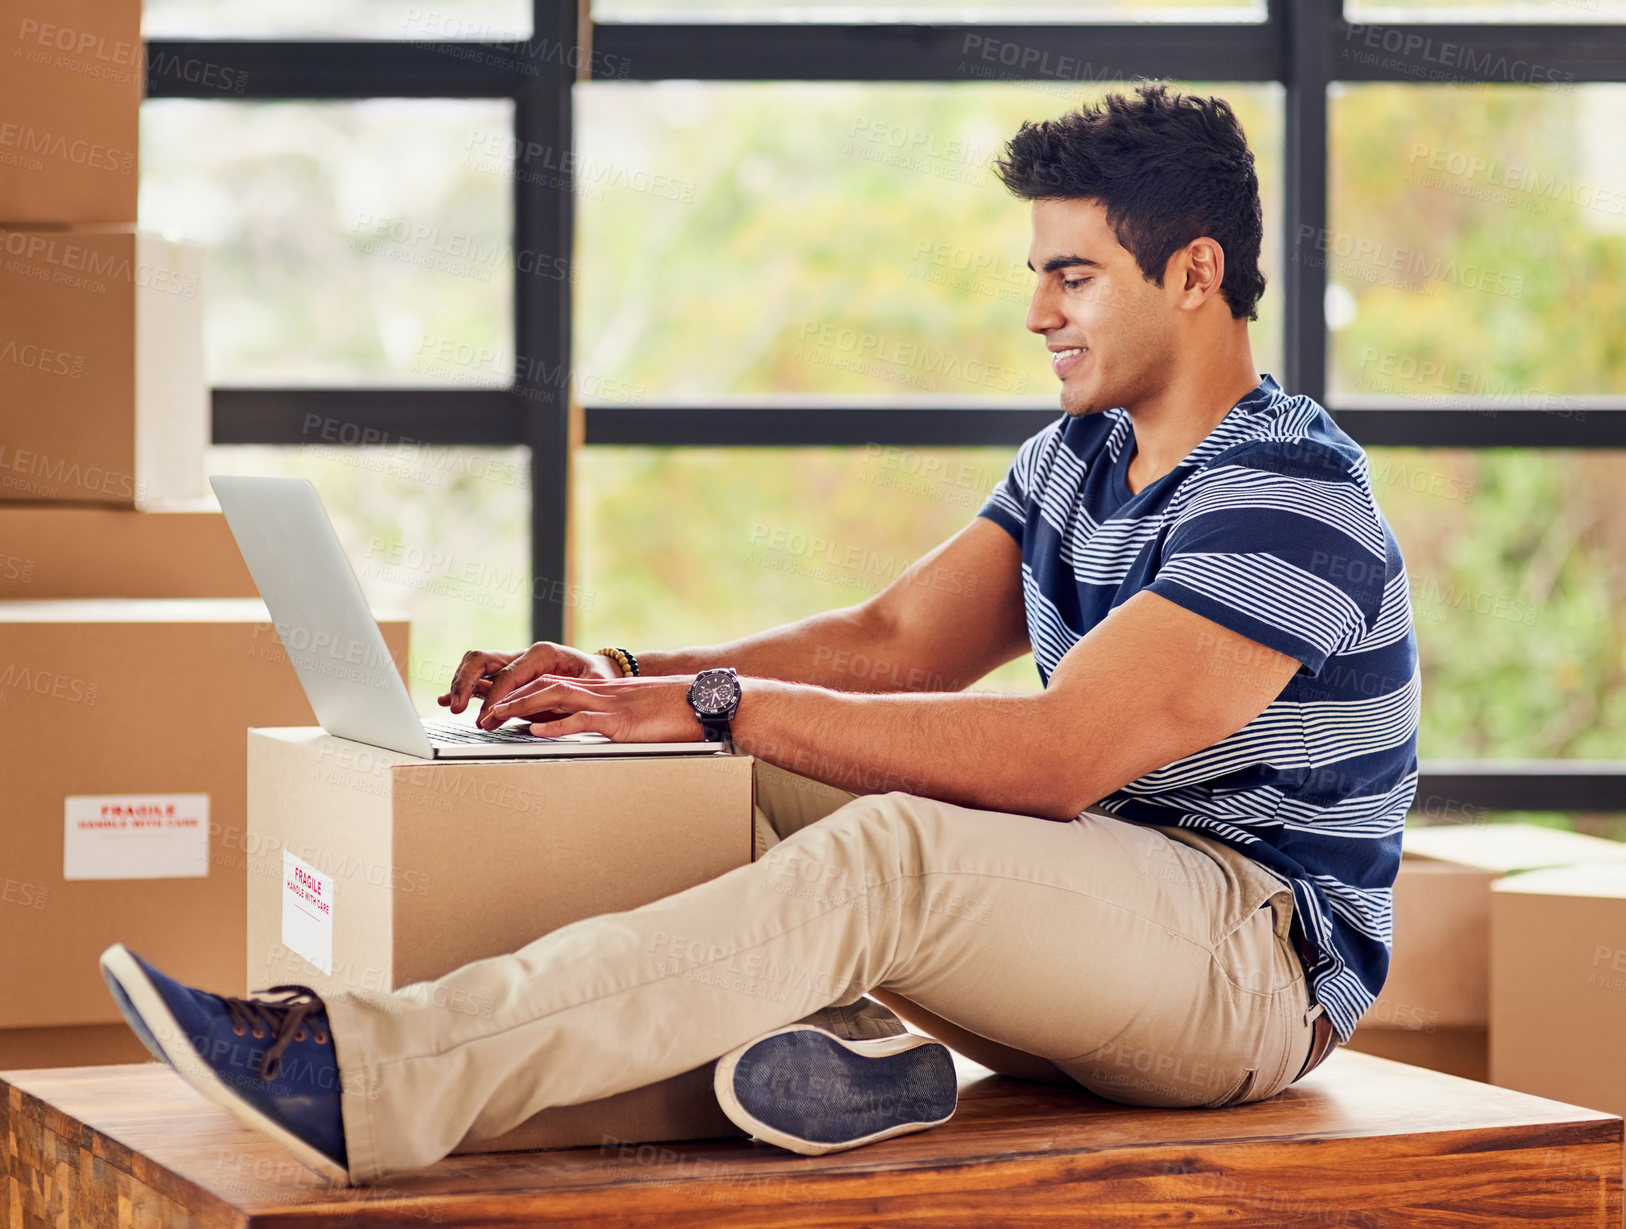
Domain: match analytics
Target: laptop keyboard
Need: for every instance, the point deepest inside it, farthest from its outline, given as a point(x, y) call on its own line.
point(457, 732)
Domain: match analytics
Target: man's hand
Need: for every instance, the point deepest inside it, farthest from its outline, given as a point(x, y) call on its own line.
point(626, 710)
point(495, 675)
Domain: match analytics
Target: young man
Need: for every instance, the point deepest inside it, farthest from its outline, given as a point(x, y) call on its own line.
point(1167, 876)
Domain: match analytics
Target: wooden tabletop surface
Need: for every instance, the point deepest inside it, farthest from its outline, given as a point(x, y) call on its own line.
point(1361, 1141)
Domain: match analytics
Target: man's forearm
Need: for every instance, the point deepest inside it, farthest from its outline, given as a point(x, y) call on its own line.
point(977, 750)
point(846, 650)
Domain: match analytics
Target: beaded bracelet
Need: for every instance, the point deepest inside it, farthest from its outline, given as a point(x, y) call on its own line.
point(624, 660)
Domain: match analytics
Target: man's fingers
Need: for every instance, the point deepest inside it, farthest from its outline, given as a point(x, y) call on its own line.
point(476, 664)
point(544, 715)
point(515, 686)
point(481, 686)
point(575, 723)
point(512, 676)
point(548, 691)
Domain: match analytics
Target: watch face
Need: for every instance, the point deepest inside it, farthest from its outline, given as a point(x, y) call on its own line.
point(714, 692)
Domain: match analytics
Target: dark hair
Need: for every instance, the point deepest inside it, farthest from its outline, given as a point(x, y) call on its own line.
point(1168, 167)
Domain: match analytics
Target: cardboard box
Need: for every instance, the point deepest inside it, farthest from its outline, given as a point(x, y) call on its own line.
point(1439, 968)
point(1558, 985)
point(82, 1045)
point(1455, 1051)
point(1439, 973)
point(103, 394)
point(71, 551)
point(1509, 848)
point(426, 865)
point(70, 100)
point(111, 713)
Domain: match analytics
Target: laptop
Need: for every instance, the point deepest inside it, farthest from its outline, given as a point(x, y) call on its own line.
point(337, 649)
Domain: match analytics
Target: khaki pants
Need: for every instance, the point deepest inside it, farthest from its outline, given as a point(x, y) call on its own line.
point(1150, 965)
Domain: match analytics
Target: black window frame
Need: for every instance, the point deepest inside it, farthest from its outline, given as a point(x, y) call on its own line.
point(1301, 45)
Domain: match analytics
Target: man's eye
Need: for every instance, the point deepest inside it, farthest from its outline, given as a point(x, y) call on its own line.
point(1074, 282)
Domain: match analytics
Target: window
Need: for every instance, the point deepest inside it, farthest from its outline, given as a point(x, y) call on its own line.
point(1463, 215)
point(382, 19)
point(929, 10)
point(694, 546)
point(747, 239)
point(759, 278)
point(349, 242)
point(1577, 11)
point(436, 534)
point(1520, 618)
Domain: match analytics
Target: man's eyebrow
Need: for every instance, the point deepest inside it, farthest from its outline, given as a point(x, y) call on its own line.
point(1067, 262)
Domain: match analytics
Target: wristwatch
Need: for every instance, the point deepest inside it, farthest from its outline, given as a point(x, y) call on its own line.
point(715, 697)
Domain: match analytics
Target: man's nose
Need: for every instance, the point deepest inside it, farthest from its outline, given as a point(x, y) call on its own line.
point(1043, 315)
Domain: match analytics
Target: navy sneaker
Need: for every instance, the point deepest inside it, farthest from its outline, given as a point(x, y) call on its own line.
point(808, 1090)
point(270, 1061)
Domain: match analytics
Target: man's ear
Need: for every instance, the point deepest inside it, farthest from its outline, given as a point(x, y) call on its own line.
point(1196, 271)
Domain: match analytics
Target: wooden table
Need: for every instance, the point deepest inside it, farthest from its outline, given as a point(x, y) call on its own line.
point(1361, 1142)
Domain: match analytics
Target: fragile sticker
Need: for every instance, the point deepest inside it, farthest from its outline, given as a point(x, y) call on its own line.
point(135, 836)
point(307, 912)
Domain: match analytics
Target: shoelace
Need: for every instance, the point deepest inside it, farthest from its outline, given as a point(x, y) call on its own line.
point(282, 1019)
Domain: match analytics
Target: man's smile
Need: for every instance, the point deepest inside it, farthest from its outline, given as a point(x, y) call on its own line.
point(1063, 361)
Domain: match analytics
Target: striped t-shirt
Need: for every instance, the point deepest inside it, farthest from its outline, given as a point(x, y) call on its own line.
point(1269, 528)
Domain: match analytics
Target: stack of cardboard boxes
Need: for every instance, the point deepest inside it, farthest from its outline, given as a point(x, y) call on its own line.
point(133, 653)
point(101, 341)
point(134, 657)
point(1479, 926)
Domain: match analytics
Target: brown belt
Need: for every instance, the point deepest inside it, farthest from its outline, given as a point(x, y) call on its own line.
point(1322, 1040)
point(1322, 1043)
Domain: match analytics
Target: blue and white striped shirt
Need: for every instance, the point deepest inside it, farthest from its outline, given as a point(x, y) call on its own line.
point(1269, 528)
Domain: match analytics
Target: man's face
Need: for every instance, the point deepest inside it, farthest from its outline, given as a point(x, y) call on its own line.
point(1110, 332)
